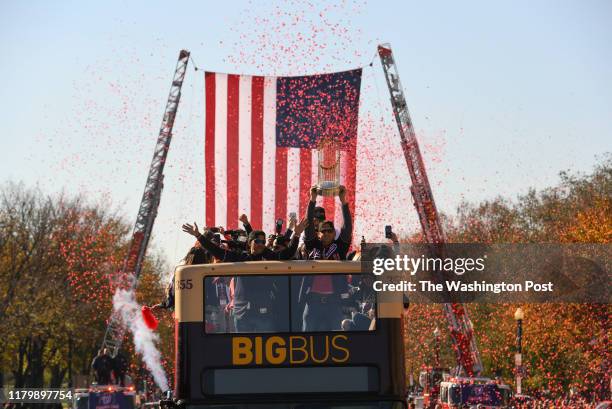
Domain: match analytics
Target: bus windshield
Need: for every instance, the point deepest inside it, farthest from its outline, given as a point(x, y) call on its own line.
point(281, 303)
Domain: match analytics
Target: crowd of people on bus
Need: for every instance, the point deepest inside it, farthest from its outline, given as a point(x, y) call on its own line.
point(259, 303)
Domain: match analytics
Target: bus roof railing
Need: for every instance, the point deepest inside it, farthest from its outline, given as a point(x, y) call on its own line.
point(273, 267)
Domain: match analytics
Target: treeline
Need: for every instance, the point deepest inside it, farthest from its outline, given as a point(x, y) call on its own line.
point(58, 259)
point(565, 346)
point(59, 256)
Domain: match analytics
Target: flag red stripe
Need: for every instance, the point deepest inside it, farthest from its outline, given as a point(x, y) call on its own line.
point(305, 180)
point(280, 188)
point(232, 150)
point(351, 176)
point(209, 148)
point(257, 141)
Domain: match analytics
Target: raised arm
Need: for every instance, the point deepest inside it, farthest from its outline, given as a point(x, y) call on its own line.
point(289, 252)
point(290, 228)
point(396, 244)
point(309, 234)
point(346, 232)
point(246, 224)
point(208, 245)
point(291, 249)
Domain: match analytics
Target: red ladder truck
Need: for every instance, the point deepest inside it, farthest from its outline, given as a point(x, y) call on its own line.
point(147, 211)
point(459, 324)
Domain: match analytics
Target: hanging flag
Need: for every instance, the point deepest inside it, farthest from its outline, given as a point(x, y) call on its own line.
point(261, 141)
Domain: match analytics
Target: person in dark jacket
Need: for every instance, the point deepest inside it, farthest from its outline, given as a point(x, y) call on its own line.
point(120, 367)
point(324, 296)
point(102, 365)
point(256, 245)
point(323, 244)
point(256, 299)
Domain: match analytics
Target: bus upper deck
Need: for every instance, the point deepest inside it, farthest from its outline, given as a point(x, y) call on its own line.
point(295, 334)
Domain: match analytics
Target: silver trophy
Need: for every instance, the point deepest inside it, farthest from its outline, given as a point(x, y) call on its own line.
point(329, 168)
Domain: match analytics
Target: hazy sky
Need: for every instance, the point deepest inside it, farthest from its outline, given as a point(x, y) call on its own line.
point(503, 94)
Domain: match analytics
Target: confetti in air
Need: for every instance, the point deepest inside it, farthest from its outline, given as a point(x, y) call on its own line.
point(114, 124)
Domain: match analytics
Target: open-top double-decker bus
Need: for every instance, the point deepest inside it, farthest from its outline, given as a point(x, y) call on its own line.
point(277, 362)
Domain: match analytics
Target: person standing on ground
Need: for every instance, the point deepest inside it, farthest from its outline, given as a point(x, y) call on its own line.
point(102, 365)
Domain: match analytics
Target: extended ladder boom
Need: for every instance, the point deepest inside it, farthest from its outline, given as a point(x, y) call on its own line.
point(461, 329)
point(147, 212)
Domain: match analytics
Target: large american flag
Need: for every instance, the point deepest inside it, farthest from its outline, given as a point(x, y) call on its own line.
point(261, 140)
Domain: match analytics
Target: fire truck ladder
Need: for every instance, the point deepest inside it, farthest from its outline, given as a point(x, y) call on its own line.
point(147, 212)
point(462, 333)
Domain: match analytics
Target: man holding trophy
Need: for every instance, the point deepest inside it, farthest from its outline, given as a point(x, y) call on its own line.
point(325, 295)
point(322, 244)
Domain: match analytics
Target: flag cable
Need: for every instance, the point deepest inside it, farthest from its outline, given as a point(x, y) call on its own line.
point(177, 210)
point(195, 66)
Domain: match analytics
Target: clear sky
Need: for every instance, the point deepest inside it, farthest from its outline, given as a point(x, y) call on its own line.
point(503, 94)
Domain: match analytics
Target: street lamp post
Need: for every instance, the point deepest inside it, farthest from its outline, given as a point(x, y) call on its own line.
point(436, 334)
point(518, 358)
point(70, 381)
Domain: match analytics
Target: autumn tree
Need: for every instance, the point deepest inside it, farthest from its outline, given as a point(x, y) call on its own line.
point(58, 262)
point(564, 345)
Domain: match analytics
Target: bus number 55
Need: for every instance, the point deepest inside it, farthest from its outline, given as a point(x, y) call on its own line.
point(184, 284)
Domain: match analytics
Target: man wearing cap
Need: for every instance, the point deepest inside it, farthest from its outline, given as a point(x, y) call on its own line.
point(318, 217)
point(321, 240)
point(325, 295)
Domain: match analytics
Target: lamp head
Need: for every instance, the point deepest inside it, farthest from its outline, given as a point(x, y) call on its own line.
point(519, 314)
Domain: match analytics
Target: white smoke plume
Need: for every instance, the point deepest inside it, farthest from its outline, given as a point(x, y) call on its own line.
point(144, 339)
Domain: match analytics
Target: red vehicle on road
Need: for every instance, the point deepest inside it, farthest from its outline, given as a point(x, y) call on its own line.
point(429, 380)
point(458, 393)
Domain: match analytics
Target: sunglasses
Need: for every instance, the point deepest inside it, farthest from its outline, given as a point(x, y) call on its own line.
point(259, 241)
point(326, 230)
